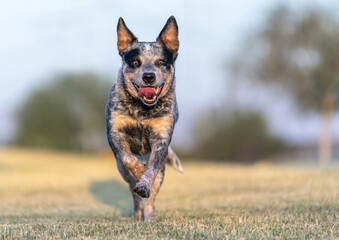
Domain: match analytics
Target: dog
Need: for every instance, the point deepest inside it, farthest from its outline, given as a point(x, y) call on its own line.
point(141, 113)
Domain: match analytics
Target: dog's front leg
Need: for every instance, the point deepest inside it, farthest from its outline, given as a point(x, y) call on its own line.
point(161, 130)
point(120, 144)
point(122, 150)
point(155, 164)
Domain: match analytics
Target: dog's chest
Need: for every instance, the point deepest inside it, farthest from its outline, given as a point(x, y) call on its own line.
point(137, 135)
point(138, 132)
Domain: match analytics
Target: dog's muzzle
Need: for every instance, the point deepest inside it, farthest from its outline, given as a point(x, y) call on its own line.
point(148, 95)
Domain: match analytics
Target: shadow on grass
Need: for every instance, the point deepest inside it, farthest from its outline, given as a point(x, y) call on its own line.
point(113, 193)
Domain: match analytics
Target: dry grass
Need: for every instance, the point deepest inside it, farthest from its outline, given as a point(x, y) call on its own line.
point(52, 195)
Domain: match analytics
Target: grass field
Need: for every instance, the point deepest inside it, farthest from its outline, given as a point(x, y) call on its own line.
point(60, 196)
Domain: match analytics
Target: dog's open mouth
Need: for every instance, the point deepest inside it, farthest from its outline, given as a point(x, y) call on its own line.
point(148, 94)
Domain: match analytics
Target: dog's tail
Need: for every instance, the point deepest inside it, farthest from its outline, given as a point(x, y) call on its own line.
point(173, 161)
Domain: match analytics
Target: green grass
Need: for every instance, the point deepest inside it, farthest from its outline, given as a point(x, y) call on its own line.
point(46, 195)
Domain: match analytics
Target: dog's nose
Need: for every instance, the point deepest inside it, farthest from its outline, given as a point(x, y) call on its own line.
point(148, 77)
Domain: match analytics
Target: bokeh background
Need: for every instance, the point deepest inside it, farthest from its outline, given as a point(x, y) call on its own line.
point(256, 79)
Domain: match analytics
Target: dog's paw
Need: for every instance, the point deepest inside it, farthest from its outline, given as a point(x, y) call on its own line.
point(142, 190)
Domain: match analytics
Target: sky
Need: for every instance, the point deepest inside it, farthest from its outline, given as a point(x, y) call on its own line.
point(40, 38)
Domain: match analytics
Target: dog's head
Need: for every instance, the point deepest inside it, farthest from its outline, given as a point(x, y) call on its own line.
point(148, 67)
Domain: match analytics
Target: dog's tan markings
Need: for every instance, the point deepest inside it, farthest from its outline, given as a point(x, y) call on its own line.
point(132, 90)
point(120, 121)
point(168, 83)
point(160, 126)
point(134, 166)
point(129, 83)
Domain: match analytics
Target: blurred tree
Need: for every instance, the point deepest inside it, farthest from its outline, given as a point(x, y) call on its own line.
point(67, 113)
point(239, 136)
point(299, 51)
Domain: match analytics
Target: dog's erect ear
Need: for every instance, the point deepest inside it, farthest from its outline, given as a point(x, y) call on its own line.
point(169, 35)
point(125, 36)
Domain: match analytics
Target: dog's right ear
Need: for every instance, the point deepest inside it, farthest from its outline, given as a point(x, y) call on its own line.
point(125, 37)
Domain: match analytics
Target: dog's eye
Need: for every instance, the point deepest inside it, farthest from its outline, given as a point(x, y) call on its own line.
point(135, 63)
point(161, 62)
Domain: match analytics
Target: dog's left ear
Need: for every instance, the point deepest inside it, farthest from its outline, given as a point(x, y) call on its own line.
point(169, 35)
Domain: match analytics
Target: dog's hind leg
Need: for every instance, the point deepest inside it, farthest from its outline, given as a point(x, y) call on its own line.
point(138, 204)
point(149, 208)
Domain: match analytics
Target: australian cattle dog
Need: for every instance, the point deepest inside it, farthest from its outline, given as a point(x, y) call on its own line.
point(141, 113)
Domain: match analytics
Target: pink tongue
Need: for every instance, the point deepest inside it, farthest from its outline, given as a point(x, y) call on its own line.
point(147, 92)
